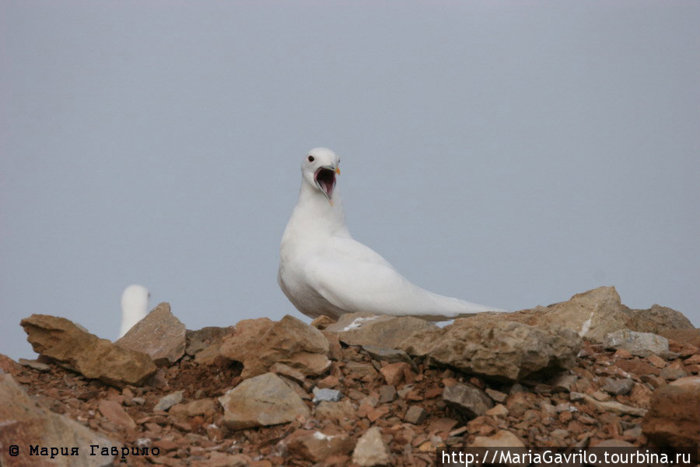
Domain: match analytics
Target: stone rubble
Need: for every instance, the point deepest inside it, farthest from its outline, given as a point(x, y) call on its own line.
point(265, 393)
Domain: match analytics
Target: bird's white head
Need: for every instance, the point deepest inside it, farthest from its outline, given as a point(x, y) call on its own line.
point(319, 169)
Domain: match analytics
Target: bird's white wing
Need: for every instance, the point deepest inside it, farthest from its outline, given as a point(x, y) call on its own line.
point(353, 277)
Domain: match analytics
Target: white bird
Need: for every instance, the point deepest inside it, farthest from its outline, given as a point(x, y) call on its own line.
point(134, 306)
point(324, 271)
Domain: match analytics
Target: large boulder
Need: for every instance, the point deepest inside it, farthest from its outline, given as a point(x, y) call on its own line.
point(596, 313)
point(25, 423)
point(658, 319)
point(674, 417)
point(593, 314)
point(496, 348)
point(260, 343)
point(160, 335)
point(261, 401)
point(75, 348)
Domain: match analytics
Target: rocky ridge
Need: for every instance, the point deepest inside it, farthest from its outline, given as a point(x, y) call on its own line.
point(366, 390)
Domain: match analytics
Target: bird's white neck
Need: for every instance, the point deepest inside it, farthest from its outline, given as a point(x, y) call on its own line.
point(314, 215)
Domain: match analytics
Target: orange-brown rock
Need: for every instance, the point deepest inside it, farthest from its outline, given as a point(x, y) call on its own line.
point(159, 335)
point(77, 349)
point(260, 343)
point(674, 417)
point(317, 446)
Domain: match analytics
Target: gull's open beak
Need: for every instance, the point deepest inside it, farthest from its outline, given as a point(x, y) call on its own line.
point(325, 180)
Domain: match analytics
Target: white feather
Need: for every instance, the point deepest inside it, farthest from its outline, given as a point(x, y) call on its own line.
point(324, 271)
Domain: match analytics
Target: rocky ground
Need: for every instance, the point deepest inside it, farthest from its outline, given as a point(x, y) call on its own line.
point(367, 390)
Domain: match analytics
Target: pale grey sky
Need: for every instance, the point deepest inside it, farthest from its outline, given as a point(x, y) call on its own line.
point(505, 152)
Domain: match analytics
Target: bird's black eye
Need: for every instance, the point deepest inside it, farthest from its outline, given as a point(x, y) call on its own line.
point(311, 158)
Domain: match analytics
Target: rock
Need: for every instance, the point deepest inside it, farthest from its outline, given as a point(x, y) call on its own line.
point(326, 395)
point(205, 407)
point(563, 382)
point(396, 373)
point(286, 370)
point(37, 365)
point(658, 319)
point(261, 401)
point(387, 355)
point(25, 423)
point(7, 365)
point(611, 444)
point(592, 314)
point(116, 414)
point(360, 370)
point(160, 335)
point(498, 410)
point(415, 414)
point(220, 459)
point(641, 344)
point(674, 417)
point(337, 411)
point(519, 402)
point(204, 338)
point(387, 393)
point(317, 446)
point(672, 373)
point(637, 367)
point(260, 343)
point(467, 399)
point(377, 330)
point(497, 396)
point(496, 348)
point(502, 439)
point(371, 450)
point(683, 336)
point(614, 406)
point(168, 401)
point(77, 349)
point(618, 386)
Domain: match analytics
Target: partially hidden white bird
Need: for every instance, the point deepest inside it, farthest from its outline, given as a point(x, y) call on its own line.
point(134, 306)
point(324, 271)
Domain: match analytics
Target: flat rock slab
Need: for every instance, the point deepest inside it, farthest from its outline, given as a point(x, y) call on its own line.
point(641, 344)
point(23, 423)
point(496, 348)
point(260, 343)
point(75, 348)
point(383, 331)
point(261, 401)
point(160, 335)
